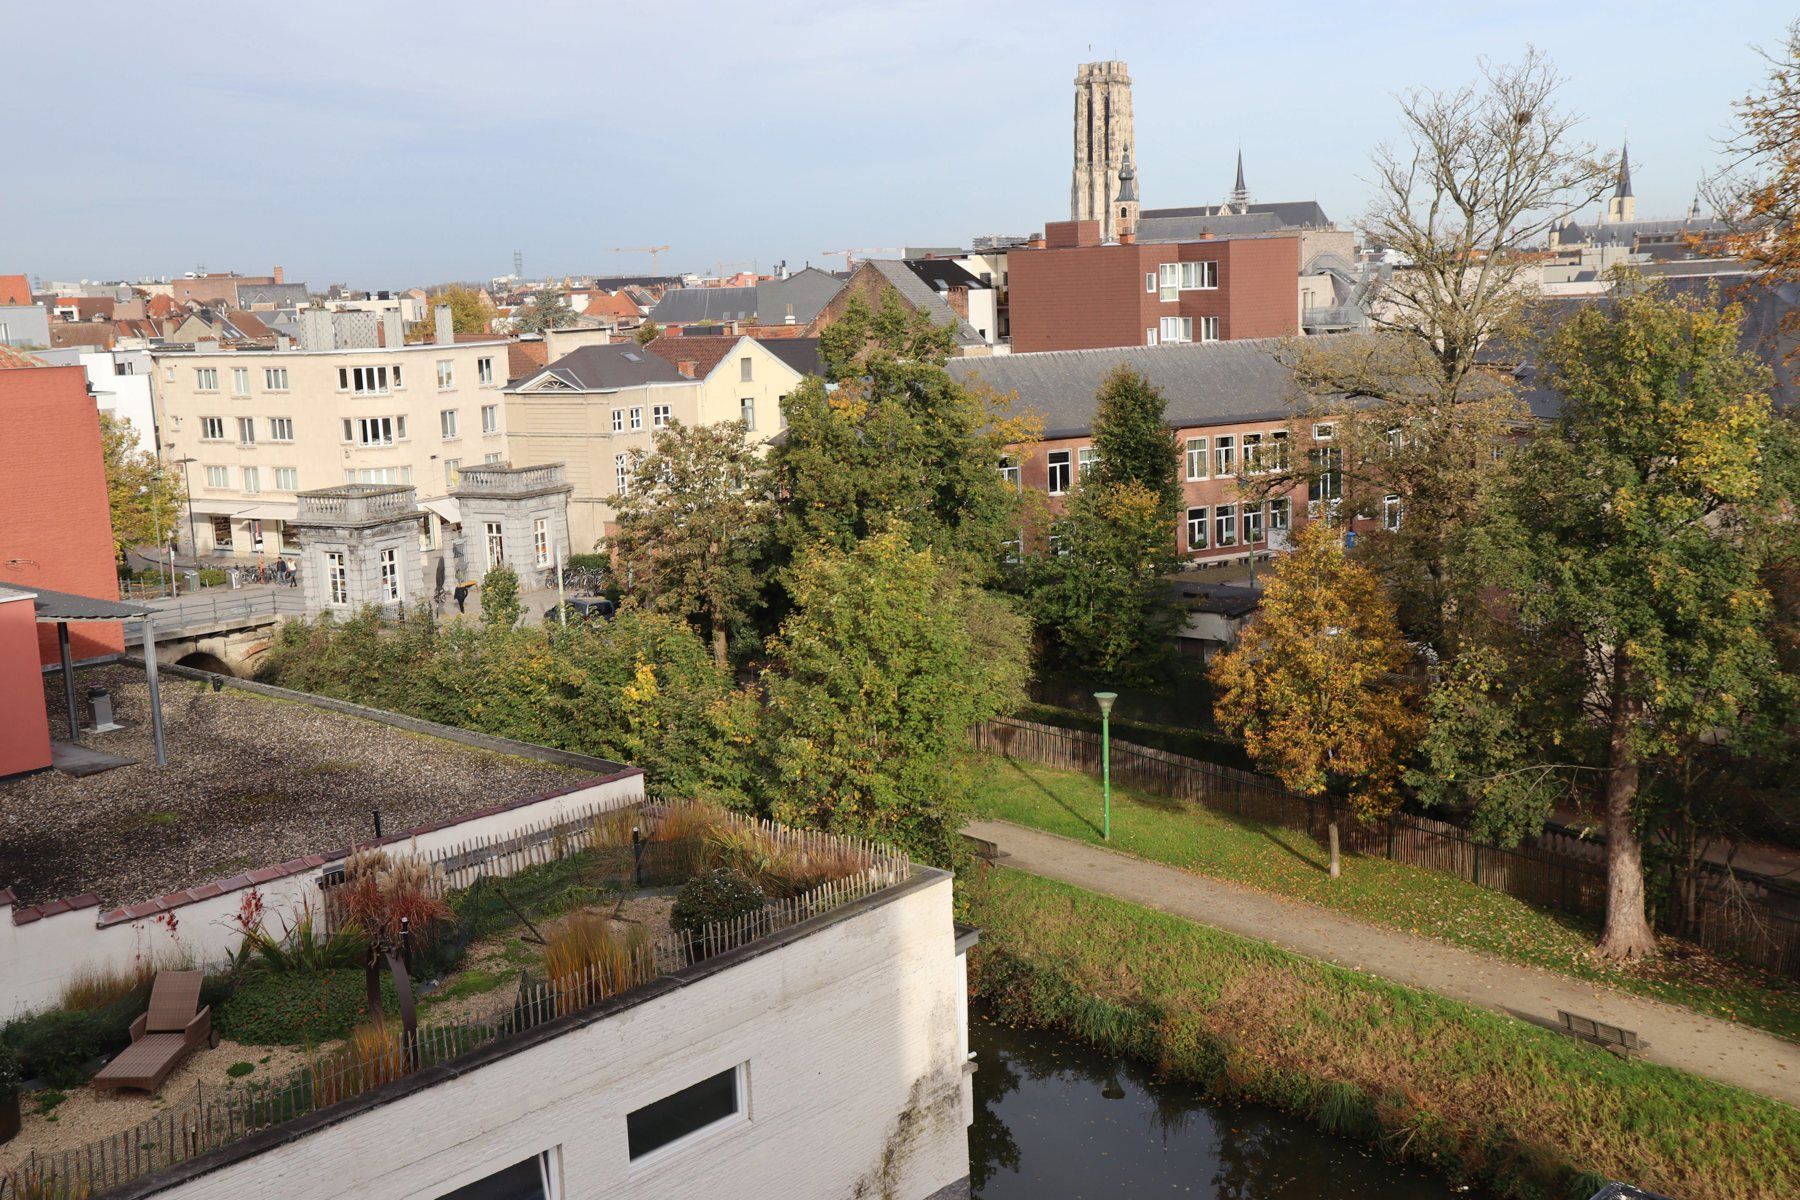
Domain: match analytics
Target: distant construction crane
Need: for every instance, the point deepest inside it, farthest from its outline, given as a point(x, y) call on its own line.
point(849, 260)
point(652, 251)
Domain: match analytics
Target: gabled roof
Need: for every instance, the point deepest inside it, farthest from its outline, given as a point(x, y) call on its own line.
point(941, 273)
point(924, 298)
point(525, 358)
point(10, 358)
point(15, 289)
point(1288, 214)
point(604, 368)
point(691, 306)
point(705, 352)
point(802, 354)
point(802, 295)
point(1205, 383)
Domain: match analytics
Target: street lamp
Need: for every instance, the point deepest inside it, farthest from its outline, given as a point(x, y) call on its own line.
point(1105, 700)
point(187, 485)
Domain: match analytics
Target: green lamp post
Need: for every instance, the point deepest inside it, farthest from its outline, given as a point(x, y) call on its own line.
point(1105, 700)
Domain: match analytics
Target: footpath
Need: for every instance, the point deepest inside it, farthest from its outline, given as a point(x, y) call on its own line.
point(1675, 1037)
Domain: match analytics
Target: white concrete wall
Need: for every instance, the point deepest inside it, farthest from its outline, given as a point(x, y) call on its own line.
point(126, 395)
point(851, 1036)
point(38, 957)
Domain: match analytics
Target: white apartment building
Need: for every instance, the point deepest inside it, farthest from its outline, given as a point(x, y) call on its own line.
point(252, 428)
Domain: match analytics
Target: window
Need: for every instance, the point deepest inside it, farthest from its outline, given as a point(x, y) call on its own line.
point(1277, 457)
point(1010, 473)
point(287, 479)
point(221, 531)
point(390, 575)
point(169, 373)
point(252, 479)
point(1278, 514)
point(533, 1179)
point(494, 459)
point(281, 429)
point(685, 1113)
point(1055, 540)
point(452, 472)
point(659, 416)
point(379, 475)
point(246, 431)
point(747, 410)
point(1326, 483)
point(1197, 461)
point(496, 544)
point(1253, 524)
point(484, 371)
point(1085, 460)
point(1176, 329)
point(212, 429)
point(1150, 336)
point(1225, 524)
point(1199, 275)
point(622, 474)
point(446, 369)
point(1395, 440)
point(374, 431)
point(1209, 329)
point(637, 418)
point(240, 381)
point(1012, 550)
point(1150, 283)
point(540, 541)
point(1196, 529)
point(447, 423)
point(206, 379)
point(1253, 454)
point(218, 477)
point(745, 367)
point(1324, 433)
point(1168, 281)
point(366, 381)
point(275, 379)
point(338, 574)
point(1224, 455)
point(1390, 513)
point(618, 420)
point(1059, 472)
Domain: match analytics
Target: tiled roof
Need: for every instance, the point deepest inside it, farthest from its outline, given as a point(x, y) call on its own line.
point(10, 358)
point(705, 352)
point(925, 298)
point(525, 358)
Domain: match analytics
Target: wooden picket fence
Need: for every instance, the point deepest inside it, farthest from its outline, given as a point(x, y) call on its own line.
point(214, 1118)
point(1729, 914)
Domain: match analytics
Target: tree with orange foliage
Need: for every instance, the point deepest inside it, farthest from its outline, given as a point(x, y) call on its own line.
point(1760, 198)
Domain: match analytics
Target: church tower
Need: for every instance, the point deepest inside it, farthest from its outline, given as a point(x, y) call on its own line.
point(1125, 206)
point(1623, 205)
point(1103, 129)
point(1239, 200)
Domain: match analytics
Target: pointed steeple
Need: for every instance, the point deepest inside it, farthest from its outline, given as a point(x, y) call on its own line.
point(1623, 187)
point(1621, 207)
point(1239, 186)
point(1239, 200)
point(1128, 191)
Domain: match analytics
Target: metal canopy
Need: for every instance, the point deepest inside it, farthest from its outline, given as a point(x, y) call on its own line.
point(67, 606)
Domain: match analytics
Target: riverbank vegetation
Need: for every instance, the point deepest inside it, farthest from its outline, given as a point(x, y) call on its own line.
point(1484, 1098)
point(1430, 903)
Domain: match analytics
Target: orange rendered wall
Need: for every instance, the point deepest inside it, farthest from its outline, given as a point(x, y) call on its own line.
point(24, 725)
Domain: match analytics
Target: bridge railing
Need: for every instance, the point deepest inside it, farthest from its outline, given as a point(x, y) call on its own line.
point(228, 610)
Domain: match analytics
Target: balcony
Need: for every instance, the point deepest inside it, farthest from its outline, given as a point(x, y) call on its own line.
point(1333, 318)
point(503, 482)
point(356, 504)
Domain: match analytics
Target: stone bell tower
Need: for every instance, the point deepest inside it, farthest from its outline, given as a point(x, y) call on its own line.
point(1103, 130)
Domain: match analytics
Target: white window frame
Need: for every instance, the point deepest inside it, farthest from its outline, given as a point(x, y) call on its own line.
point(275, 379)
point(1086, 459)
point(490, 418)
point(618, 420)
point(1198, 451)
point(281, 429)
point(1197, 522)
point(637, 418)
point(746, 369)
point(1209, 329)
point(1150, 283)
point(494, 537)
point(747, 412)
point(1325, 431)
point(540, 541)
point(622, 475)
point(246, 431)
point(1056, 472)
point(1150, 336)
point(252, 480)
point(447, 423)
point(337, 576)
point(484, 371)
point(390, 574)
point(1250, 453)
point(1012, 473)
point(1225, 525)
point(651, 1159)
point(1175, 330)
point(1225, 455)
point(1392, 512)
point(452, 472)
point(206, 379)
point(1200, 275)
point(1281, 514)
point(1253, 524)
point(212, 429)
point(660, 416)
point(1168, 282)
point(446, 374)
point(218, 477)
point(287, 479)
point(240, 381)
point(366, 381)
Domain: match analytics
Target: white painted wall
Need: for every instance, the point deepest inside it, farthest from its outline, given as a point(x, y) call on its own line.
point(38, 957)
point(126, 395)
point(843, 1031)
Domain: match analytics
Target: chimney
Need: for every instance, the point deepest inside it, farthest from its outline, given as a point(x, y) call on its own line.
point(392, 334)
point(446, 326)
point(277, 274)
point(283, 342)
point(1127, 237)
point(687, 367)
point(1035, 242)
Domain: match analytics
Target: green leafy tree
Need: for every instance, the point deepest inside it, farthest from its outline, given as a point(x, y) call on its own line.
point(144, 493)
point(886, 661)
point(1312, 687)
point(470, 312)
point(691, 527)
point(891, 332)
point(648, 332)
point(1133, 441)
point(500, 607)
point(546, 310)
point(1624, 585)
point(1100, 592)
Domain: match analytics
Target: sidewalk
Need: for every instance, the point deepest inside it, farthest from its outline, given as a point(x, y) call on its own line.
point(1675, 1037)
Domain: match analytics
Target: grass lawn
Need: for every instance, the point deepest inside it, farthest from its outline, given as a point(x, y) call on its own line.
point(1482, 1096)
point(1429, 903)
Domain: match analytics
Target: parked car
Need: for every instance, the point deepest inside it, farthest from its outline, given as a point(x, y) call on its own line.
point(583, 608)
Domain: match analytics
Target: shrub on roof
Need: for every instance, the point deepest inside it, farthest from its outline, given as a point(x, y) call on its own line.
point(56, 1046)
point(719, 896)
point(298, 1008)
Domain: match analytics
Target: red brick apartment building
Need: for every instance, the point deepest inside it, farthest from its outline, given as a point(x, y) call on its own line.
point(1074, 292)
point(1229, 405)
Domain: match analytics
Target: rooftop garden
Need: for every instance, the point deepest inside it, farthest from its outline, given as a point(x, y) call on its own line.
point(405, 965)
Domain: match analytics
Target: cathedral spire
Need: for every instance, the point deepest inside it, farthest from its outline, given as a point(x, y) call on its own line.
point(1623, 187)
point(1622, 207)
point(1240, 194)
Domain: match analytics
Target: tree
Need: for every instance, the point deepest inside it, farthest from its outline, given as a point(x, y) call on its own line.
point(1484, 171)
point(692, 524)
point(1133, 441)
point(895, 439)
point(469, 313)
point(893, 332)
point(1311, 688)
point(886, 661)
point(1623, 584)
point(648, 332)
point(500, 597)
point(546, 310)
point(144, 493)
point(1759, 198)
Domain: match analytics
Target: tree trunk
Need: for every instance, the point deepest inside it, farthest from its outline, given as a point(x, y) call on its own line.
point(1627, 933)
point(718, 638)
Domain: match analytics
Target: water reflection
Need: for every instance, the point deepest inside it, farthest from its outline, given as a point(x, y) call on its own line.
point(1045, 1128)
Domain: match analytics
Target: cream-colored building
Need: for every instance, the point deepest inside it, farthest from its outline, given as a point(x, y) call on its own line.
point(257, 427)
point(595, 407)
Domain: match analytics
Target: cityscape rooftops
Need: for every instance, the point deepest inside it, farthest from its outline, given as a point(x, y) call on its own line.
point(601, 368)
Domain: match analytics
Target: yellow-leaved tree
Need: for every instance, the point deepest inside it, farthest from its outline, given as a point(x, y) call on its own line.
point(1313, 687)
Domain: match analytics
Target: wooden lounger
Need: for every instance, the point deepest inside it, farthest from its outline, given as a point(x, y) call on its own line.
point(174, 1027)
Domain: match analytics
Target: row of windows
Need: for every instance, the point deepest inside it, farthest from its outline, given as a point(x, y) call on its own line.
point(1169, 280)
point(1218, 526)
point(1175, 330)
point(1203, 458)
point(287, 479)
point(660, 415)
point(494, 538)
point(212, 429)
point(363, 381)
point(448, 421)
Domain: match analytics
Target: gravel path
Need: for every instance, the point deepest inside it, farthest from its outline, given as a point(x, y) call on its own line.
point(251, 781)
point(1676, 1037)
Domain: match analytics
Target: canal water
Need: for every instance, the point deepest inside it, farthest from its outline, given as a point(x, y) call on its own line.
point(1056, 1120)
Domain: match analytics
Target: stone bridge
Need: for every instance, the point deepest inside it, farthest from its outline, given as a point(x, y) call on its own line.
point(226, 630)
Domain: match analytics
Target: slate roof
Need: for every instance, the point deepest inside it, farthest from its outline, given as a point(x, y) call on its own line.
point(691, 306)
point(600, 368)
point(808, 291)
point(276, 295)
point(936, 271)
point(802, 354)
point(925, 298)
point(1205, 383)
point(1226, 599)
point(770, 302)
point(1188, 224)
point(67, 606)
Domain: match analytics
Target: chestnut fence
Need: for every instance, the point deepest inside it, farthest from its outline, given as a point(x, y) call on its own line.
point(209, 1119)
point(1727, 913)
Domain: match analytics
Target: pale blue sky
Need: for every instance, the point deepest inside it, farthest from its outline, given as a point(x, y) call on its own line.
point(388, 144)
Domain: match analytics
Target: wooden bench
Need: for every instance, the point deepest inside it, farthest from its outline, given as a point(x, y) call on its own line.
point(1619, 1041)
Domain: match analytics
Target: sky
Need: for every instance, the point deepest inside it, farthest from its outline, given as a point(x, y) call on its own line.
point(387, 144)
